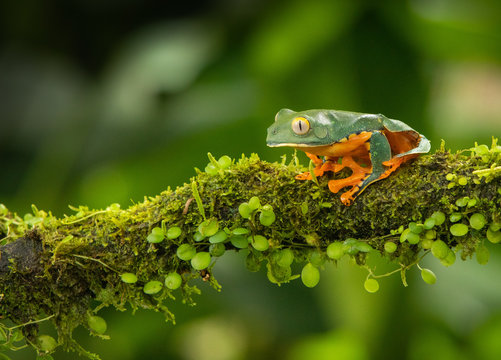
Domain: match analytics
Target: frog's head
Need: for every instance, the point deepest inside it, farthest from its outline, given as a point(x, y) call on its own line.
point(299, 129)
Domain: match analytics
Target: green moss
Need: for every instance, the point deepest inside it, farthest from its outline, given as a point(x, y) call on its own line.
point(81, 258)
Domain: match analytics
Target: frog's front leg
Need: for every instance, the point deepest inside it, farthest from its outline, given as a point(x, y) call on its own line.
point(316, 160)
point(358, 173)
point(380, 154)
point(320, 167)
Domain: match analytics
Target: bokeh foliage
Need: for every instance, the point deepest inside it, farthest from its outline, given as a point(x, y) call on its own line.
point(105, 102)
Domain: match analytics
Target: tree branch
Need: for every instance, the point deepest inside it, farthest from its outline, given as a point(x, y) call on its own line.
point(56, 268)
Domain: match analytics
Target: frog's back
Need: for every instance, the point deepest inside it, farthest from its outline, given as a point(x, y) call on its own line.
point(350, 122)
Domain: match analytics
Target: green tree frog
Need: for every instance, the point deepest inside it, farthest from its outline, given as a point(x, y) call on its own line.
point(371, 145)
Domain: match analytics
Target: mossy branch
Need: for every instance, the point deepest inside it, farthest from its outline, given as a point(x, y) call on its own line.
point(54, 269)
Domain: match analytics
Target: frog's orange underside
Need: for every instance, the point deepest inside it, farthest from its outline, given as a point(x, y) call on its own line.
point(354, 151)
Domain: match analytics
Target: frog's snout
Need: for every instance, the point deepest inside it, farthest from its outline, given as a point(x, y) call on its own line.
point(272, 132)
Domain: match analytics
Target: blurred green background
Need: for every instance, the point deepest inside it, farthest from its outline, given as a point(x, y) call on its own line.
point(109, 101)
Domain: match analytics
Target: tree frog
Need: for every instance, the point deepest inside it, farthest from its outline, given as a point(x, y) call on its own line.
point(371, 145)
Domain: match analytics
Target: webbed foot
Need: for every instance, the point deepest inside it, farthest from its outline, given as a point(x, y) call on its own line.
point(355, 180)
point(320, 167)
point(393, 165)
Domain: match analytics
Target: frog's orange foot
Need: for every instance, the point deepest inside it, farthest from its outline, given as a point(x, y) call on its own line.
point(304, 176)
point(320, 170)
point(332, 166)
point(348, 197)
point(393, 165)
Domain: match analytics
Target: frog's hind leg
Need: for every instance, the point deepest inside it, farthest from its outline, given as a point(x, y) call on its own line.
point(355, 179)
point(379, 152)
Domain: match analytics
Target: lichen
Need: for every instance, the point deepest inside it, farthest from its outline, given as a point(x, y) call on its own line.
point(56, 269)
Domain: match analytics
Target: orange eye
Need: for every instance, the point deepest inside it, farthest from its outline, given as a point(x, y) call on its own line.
point(300, 125)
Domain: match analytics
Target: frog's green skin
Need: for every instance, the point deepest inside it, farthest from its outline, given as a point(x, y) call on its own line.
point(370, 139)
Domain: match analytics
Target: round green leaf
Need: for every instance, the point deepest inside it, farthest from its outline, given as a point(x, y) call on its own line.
point(404, 234)
point(416, 228)
point(259, 242)
point(218, 237)
point(493, 236)
point(495, 227)
point(439, 249)
point(267, 207)
point(208, 227)
point(430, 234)
point(462, 201)
point(285, 257)
point(439, 217)
point(316, 258)
point(428, 276)
point(477, 221)
point(336, 250)
point(390, 247)
point(156, 235)
point(217, 249)
point(240, 231)
point(186, 252)
point(198, 236)
point(173, 232)
point(152, 287)
point(47, 343)
point(128, 278)
point(245, 210)
point(429, 223)
point(211, 169)
point(427, 243)
point(97, 324)
point(224, 161)
point(239, 241)
point(254, 203)
point(201, 260)
point(413, 238)
point(459, 229)
point(449, 259)
point(173, 280)
point(310, 275)
point(266, 218)
point(371, 285)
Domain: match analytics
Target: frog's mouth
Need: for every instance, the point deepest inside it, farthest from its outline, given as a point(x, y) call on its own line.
point(310, 148)
point(270, 144)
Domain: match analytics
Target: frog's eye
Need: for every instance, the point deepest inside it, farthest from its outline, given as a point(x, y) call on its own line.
point(300, 125)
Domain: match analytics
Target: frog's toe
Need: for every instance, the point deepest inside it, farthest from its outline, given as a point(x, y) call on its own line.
point(394, 164)
point(332, 166)
point(304, 176)
point(354, 180)
point(316, 160)
point(348, 197)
